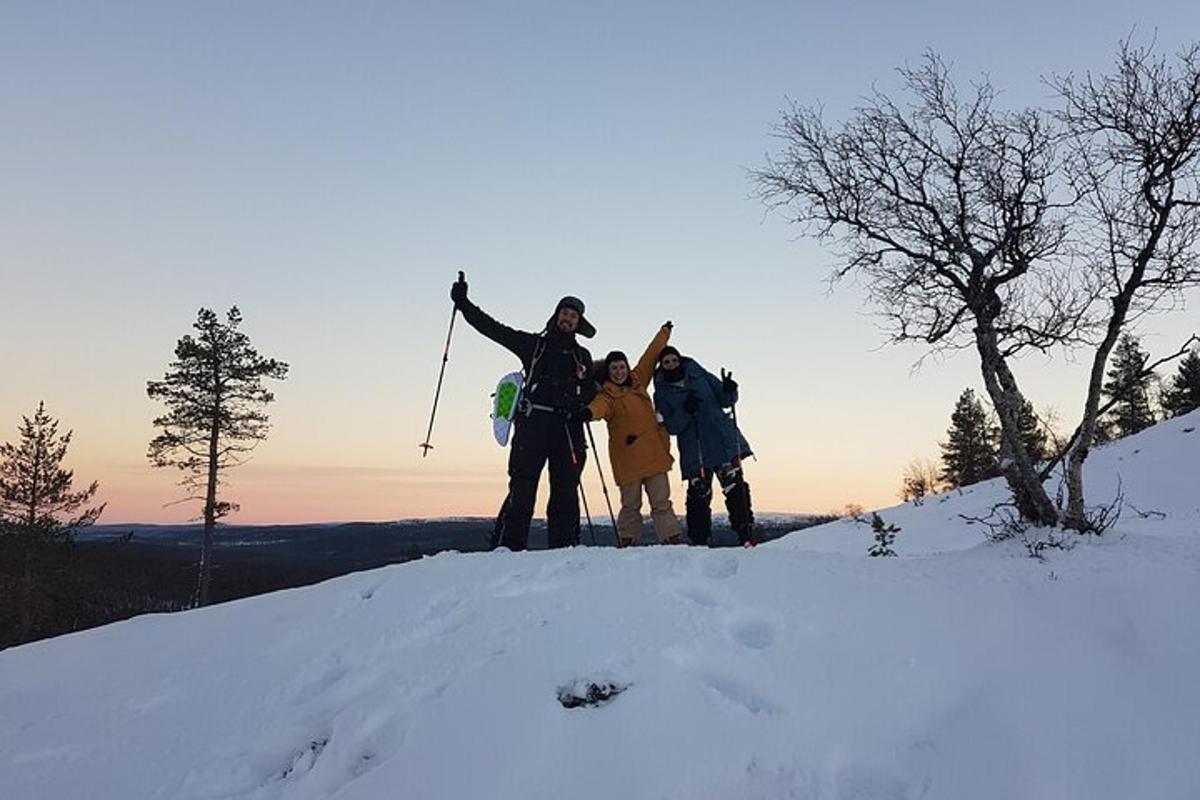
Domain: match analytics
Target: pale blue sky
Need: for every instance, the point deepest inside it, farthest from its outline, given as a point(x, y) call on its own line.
point(328, 167)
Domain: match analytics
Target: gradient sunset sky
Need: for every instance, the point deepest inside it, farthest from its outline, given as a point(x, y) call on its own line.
point(329, 166)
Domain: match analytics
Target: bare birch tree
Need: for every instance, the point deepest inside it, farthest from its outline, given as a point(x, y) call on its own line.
point(954, 215)
point(1135, 158)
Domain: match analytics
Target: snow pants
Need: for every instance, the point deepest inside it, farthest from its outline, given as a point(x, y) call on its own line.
point(629, 521)
point(541, 438)
point(737, 503)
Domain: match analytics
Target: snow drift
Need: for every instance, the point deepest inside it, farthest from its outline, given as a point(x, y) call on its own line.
point(800, 669)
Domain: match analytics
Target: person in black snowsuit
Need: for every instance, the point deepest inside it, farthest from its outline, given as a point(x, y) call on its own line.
point(549, 425)
point(692, 402)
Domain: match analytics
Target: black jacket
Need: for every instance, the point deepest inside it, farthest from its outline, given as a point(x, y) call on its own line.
point(557, 368)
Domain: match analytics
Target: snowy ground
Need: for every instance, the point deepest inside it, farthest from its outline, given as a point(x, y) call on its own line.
point(800, 669)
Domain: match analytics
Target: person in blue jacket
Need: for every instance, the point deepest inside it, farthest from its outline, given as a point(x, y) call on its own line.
point(693, 403)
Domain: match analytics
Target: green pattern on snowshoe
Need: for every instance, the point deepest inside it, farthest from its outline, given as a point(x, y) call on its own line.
point(506, 401)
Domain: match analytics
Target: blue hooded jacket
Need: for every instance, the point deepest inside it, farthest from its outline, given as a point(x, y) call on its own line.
point(709, 437)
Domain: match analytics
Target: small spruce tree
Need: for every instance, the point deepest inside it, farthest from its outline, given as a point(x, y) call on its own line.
point(885, 536)
point(969, 454)
point(36, 497)
point(1128, 385)
point(1182, 393)
point(39, 515)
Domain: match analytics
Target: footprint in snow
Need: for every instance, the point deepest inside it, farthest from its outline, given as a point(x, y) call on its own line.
point(756, 634)
point(779, 782)
point(304, 759)
point(442, 606)
point(870, 783)
point(719, 568)
point(739, 694)
point(316, 678)
point(697, 594)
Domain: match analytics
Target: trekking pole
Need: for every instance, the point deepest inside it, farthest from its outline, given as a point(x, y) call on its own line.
point(579, 482)
point(587, 513)
point(426, 446)
point(603, 484)
point(736, 429)
point(737, 438)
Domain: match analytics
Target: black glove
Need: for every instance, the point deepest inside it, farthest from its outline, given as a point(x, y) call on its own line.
point(728, 383)
point(458, 292)
point(691, 404)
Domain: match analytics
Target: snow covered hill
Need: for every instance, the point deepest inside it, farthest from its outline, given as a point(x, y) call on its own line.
point(1156, 472)
point(800, 669)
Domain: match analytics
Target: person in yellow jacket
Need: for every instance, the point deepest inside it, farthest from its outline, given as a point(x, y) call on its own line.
point(639, 447)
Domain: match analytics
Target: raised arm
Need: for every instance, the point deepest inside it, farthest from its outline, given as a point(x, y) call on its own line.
point(645, 366)
point(726, 393)
point(519, 343)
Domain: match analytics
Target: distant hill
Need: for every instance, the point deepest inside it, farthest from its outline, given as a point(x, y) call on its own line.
point(371, 541)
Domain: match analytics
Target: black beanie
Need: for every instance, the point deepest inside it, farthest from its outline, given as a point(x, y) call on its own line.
point(585, 329)
point(572, 303)
point(675, 374)
point(615, 355)
point(612, 358)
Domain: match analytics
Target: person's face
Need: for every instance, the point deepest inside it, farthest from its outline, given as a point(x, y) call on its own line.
point(618, 371)
point(568, 320)
point(670, 361)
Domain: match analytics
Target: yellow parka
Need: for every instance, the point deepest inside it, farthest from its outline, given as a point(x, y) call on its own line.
point(638, 446)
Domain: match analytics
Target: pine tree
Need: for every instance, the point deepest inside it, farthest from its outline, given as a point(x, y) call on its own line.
point(969, 456)
point(1033, 434)
point(1183, 392)
point(39, 515)
point(1129, 385)
point(214, 396)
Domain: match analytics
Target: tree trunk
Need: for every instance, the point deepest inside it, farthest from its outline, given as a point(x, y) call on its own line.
point(34, 489)
point(30, 536)
point(1076, 515)
point(27, 591)
point(1157, 192)
point(210, 503)
point(1020, 472)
